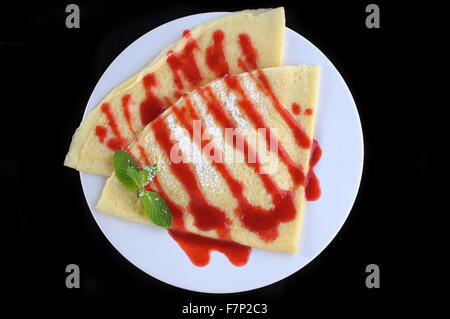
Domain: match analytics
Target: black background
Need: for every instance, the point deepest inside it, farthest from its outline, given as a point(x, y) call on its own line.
point(48, 73)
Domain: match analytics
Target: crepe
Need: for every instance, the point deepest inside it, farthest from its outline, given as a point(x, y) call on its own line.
point(234, 43)
point(247, 188)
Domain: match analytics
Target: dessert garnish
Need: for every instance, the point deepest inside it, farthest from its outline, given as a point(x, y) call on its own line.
point(135, 179)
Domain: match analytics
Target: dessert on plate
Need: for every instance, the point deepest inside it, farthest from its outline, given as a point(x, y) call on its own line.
point(232, 44)
point(233, 158)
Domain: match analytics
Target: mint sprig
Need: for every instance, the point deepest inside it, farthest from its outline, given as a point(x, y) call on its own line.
point(135, 179)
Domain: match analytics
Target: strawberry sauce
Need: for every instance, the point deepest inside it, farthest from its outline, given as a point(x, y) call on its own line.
point(215, 55)
point(152, 106)
point(185, 71)
point(263, 222)
point(312, 188)
point(207, 217)
point(198, 248)
point(101, 132)
point(256, 118)
point(126, 100)
point(301, 137)
point(184, 67)
point(255, 219)
point(296, 108)
point(183, 64)
point(249, 62)
point(114, 143)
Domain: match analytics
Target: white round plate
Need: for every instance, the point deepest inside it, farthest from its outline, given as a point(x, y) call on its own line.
point(338, 131)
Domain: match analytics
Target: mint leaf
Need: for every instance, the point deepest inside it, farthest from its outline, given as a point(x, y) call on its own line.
point(122, 162)
point(136, 176)
point(148, 173)
point(156, 208)
point(134, 179)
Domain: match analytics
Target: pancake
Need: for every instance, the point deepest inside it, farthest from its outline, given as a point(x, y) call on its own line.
point(237, 42)
point(247, 186)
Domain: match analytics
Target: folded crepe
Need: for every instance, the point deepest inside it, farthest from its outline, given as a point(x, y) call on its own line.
point(234, 43)
point(232, 158)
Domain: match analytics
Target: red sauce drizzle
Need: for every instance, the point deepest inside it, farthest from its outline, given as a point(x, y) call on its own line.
point(198, 248)
point(184, 63)
point(184, 67)
point(167, 101)
point(215, 56)
point(114, 144)
point(264, 223)
point(101, 132)
point(177, 94)
point(152, 106)
point(249, 108)
point(300, 136)
point(250, 54)
point(312, 188)
point(207, 217)
point(126, 100)
point(117, 143)
point(296, 108)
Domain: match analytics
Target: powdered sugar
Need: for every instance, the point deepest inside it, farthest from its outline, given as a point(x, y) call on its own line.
point(207, 176)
